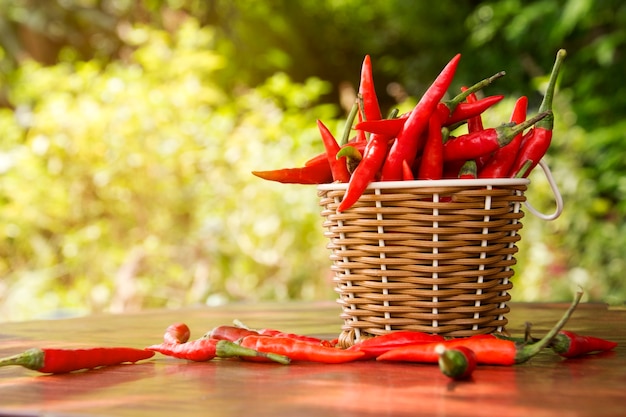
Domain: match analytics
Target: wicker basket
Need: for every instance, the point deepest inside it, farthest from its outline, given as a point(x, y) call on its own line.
point(432, 256)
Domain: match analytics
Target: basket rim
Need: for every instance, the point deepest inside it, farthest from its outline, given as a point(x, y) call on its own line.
point(469, 182)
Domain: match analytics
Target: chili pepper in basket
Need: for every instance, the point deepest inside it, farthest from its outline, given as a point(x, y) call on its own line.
point(352, 155)
point(58, 361)
point(367, 92)
point(465, 111)
point(298, 350)
point(387, 127)
point(378, 345)
point(473, 145)
point(365, 172)
point(502, 160)
point(474, 123)
point(457, 363)
point(338, 166)
point(489, 350)
point(431, 166)
point(202, 350)
point(569, 344)
point(407, 172)
point(448, 108)
point(345, 137)
point(468, 170)
point(176, 333)
point(536, 145)
point(322, 158)
point(409, 141)
point(318, 172)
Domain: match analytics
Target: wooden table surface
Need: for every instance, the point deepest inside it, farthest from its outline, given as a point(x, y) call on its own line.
point(546, 386)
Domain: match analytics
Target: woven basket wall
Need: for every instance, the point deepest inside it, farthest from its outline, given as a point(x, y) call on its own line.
point(432, 256)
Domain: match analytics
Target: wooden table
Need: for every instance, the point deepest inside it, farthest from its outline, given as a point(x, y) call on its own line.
point(163, 386)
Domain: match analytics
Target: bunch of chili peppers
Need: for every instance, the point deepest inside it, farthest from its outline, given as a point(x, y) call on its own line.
point(457, 357)
point(422, 145)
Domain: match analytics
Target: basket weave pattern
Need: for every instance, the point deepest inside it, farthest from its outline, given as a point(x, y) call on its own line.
point(433, 259)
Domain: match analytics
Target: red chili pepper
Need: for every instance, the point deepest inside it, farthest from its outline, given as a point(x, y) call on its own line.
point(58, 361)
point(338, 166)
point(365, 172)
point(378, 345)
point(502, 160)
point(457, 363)
point(202, 350)
point(431, 167)
point(489, 350)
point(474, 123)
point(299, 350)
point(569, 344)
point(473, 145)
point(231, 333)
point(537, 144)
point(409, 141)
point(322, 158)
point(387, 127)
point(465, 111)
point(468, 170)
point(177, 333)
point(407, 171)
point(315, 173)
point(199, 350)
point(367, 92)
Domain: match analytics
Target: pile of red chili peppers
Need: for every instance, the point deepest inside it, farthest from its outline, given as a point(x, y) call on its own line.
point(422, 145)
point(457, 357)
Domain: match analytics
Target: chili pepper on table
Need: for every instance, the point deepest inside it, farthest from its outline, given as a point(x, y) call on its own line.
point(489, 349)
point(367, 92)
point(298, 350)
point(231, 333)
point(570, 345)
point(408, 142)
point(202, 350)
point(535, 146)
point(365, 172)
point(338, 166)
point(58, 361)
point(378, 345)
point(502, 160)
point(473, 145)
point(457, 363)
point(280, 333)
point(177, 333)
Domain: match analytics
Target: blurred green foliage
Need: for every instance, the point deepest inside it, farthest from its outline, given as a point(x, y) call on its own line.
point(129, 130)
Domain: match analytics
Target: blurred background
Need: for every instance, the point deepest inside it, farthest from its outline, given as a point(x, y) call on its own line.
point(128, 130)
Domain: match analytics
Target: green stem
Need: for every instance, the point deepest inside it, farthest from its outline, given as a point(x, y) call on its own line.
point(508, 131)
point(526, 352)
point(228, 349)
point(349, 122)
point(30, 359)
point(451, 104)
point(546, 103)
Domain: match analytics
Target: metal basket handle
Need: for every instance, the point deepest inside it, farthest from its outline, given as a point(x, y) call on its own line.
point(555, 191)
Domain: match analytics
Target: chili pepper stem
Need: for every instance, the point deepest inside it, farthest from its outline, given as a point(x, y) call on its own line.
point(349, 122)
point(546, 103)
point(228, 349)
point(528, 351)
point(29, 359)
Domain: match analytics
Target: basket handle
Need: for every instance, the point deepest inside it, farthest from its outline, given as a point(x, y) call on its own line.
point(555, 191)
